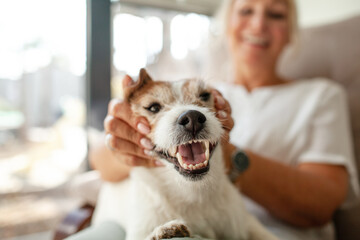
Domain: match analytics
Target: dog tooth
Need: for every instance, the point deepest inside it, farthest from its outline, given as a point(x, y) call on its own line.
point(207, 154)
point(206, 163)
point(191, 167)
point(172, 150)
point(207, 144)
point(179, 158)
point(199, 165)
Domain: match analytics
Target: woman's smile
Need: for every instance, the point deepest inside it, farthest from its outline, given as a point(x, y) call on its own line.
point(258, 31)
point(255, 41)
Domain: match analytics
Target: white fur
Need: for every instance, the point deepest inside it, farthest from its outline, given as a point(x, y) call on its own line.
point(154, 198)
point(165, 135)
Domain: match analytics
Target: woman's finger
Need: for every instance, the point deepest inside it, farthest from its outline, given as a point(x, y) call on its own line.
point(122, 110)
point(132, 155)
point(123, 146)
point(136, 161)
point(122, 130)
point(220, 102)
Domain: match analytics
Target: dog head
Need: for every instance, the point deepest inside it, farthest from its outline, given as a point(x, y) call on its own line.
point(184, 128)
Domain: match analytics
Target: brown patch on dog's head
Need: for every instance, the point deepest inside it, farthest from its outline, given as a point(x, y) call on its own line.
point(145, 95)
point(144, 79)
point(196, 92)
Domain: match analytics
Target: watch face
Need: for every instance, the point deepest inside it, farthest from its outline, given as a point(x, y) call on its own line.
point(241, 161)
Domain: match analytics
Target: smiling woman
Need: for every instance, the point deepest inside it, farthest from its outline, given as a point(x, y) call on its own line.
point(257, 32)
point(297, 174)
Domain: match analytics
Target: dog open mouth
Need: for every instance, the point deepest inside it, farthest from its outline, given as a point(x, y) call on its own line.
point(191, 159)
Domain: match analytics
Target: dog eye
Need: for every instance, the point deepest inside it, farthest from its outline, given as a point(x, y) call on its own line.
point(154, 108)
point(205, 96)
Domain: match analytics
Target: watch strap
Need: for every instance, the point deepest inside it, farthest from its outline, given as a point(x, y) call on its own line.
point(240, 162)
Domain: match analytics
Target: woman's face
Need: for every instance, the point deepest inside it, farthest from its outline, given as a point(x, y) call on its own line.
point(258, 30)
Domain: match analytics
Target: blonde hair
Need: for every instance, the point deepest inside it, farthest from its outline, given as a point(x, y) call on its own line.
point(224, 14)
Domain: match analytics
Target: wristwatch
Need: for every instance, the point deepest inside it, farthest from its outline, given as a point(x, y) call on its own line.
point(240, 162)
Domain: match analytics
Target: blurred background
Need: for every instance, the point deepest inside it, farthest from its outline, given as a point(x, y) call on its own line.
point(60, 63)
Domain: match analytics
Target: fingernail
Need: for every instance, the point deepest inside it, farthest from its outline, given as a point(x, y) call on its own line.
point(146, 143)
point(220, 100)
point(108, 138)
point(148, 152)
point(222, 114)
point(113, 102)
point(158, 163)
point(143, 128)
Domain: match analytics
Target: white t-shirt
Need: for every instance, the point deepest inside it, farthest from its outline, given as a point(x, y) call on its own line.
point(297, 122)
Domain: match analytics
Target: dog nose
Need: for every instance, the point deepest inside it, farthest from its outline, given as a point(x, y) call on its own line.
point(193, 121)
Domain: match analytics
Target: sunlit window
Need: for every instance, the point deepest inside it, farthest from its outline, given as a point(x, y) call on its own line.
point(187, 32)
point(137, 41)
point(33, 36)
point(167, 43)
point(42, 92)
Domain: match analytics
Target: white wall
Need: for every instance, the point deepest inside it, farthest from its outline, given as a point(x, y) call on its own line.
point(317, 12)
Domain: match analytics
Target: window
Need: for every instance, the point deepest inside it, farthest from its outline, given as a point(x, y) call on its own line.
point(167, 43)
point(43, 141)
point(187, 33)
point(42, 92)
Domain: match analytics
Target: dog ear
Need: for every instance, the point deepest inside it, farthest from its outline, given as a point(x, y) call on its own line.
point(144, 78)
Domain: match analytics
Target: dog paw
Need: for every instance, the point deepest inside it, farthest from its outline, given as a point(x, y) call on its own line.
point(169, 230)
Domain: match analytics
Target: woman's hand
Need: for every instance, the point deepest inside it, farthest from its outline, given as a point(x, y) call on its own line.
point(126, 144)
point(223, 112)
point(126, 134)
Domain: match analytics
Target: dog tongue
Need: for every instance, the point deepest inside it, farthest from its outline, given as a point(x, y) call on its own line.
point(192, 153)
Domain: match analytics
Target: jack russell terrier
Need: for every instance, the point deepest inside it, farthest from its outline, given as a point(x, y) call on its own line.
point(191, 195)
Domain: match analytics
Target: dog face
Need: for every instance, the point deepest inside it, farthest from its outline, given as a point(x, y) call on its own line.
point(184, 127)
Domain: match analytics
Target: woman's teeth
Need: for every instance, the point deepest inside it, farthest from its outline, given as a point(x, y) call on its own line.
point(256, 40)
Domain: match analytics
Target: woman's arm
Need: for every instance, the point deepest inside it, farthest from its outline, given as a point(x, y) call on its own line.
point(110, 168)
point(305, 196)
